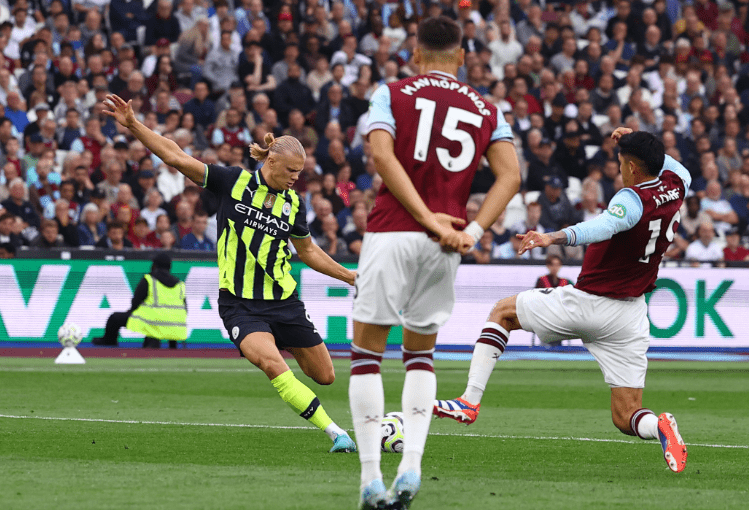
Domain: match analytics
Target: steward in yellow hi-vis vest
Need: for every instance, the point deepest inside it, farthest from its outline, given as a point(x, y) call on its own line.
point(158, 309)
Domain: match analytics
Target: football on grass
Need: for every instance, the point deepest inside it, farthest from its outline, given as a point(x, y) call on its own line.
point(69, 334)
point(392, 433)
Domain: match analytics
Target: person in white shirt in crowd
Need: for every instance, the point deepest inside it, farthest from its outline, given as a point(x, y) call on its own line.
point(350, 59)
point(505, 48)
point(705, 248)
point(718, 208)
point(152, 209)
point(170, 182)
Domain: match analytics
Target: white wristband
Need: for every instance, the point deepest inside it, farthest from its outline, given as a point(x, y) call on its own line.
point(474, 230)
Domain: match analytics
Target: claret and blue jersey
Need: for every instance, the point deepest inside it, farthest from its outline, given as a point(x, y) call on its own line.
point(442, 128)
point(255, 223)
point(628, 240)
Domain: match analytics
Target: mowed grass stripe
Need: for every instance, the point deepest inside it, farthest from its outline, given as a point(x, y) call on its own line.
point(289, 427)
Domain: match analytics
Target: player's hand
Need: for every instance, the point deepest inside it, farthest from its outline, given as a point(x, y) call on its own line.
point(120, 110)
point(442, 227)
point(532, 240)
point(351, 278)
point(619, 132)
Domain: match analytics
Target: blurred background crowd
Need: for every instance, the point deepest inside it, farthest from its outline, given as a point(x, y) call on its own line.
point(216, 75)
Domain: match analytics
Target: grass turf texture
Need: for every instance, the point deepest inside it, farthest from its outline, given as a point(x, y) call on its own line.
point(100, 465)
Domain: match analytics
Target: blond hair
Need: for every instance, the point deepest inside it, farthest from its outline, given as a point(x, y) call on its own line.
point(281, 145)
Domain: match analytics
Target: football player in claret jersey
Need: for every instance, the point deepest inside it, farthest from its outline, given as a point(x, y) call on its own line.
point(606, 308)
point(428, 133)
point(259, 214)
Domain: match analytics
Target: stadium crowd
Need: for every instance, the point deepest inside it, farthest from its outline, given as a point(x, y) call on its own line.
point(216, 75)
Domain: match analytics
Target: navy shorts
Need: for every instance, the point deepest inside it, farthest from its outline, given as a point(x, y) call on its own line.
point(287, 320)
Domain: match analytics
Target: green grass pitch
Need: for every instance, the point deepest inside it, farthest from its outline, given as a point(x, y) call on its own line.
point(213, 434)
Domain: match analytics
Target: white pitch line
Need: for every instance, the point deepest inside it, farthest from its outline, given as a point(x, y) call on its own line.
point(290, 427)
point(185, 370)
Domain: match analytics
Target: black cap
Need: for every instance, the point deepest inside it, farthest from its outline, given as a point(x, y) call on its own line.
point(544, 141)
point(162, 261)
point(734, 231)
point(145, 174)
point(36, 138)
point(559, 100)
point(555, 182)
point(121, 145)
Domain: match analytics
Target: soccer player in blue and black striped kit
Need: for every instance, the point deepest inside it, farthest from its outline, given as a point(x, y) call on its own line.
point(259, 214)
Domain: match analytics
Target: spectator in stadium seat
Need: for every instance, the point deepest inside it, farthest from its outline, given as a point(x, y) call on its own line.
point(43, 185)
point(280, 70)
point(292, 93)
point(141, 237)
point(196, 240)
point(718, 208)
point(233, 133)
point(127, 16)
point(329, 241)
point(7, 236)
point(543, 166)
point(90, 228)
point(556, 210)
point(184, 212)
point(152, 207)
point(740, 201)
point(733, 251)
point(115, 238)
point(298, 129)
point(163, 25)
point(704, 249)
point(65, 226)
point(220, 66)
point(570, 153)
point(17, 205)
point(50, 236)
point(351, 60)
point(333, 108)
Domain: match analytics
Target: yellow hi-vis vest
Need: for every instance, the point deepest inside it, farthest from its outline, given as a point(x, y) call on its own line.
point(163, 314)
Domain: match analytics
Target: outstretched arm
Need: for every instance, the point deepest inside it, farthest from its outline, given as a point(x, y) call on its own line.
point(169, 152)
point(317, 259)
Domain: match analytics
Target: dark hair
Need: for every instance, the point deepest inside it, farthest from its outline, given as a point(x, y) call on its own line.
point(552, 258)
point(440, 33)
point(115, 224)
point(7, 215)
point(141, 221)
point(644, 147)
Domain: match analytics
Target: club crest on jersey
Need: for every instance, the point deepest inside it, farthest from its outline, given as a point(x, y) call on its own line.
point(269, 201)
point(286, 209)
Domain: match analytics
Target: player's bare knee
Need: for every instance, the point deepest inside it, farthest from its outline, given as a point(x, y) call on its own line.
point(325, 377)
point(503, 311)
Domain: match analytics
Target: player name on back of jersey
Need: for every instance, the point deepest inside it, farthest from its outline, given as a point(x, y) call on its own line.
point(415, 85)
point(668, 196)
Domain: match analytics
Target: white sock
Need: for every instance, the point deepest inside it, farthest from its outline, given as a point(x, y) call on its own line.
point(419, 391)
point(367, 400)
point(644, 423)
point(489, 347)
point(333, 431)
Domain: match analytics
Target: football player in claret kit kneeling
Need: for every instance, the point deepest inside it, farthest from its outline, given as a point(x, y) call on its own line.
point(606, 308)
